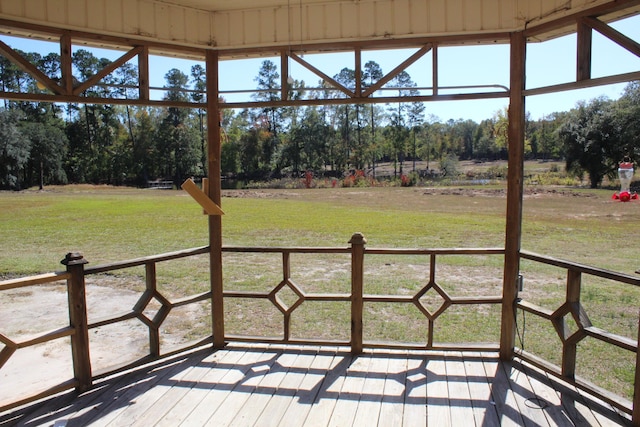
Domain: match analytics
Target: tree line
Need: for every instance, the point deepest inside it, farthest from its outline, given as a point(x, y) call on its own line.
point(47, 143)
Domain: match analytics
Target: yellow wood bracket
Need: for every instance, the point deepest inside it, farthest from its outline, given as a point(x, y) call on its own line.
point(207, 204)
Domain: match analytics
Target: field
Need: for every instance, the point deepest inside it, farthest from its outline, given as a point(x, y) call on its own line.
point(107, 224)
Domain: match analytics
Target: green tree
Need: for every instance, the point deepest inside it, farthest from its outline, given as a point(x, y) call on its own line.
point(449, 166)
point(398, 117)
point(372, 73)
point(48, 150)
point(268, 85)
point(199, 80)
point(178, 152)
point(628, 120)
point(592, 140)
point(14, 149)
point(347, 152)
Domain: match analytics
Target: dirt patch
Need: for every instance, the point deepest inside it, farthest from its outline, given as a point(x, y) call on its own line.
point(501, 192)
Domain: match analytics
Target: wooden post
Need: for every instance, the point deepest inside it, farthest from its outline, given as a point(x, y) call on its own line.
point(357, 279)
point(570, 346)
point(78, 320)
point(284, 78)
point(515, 175)
point(215, 194)
point(583, 51)
point(151, 284)
point(635, 417)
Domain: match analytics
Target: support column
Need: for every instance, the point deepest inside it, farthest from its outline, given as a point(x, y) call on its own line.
point(635, 417)
point(78, 320)
point(515, 176)
point(357, 243)
point(215, 194)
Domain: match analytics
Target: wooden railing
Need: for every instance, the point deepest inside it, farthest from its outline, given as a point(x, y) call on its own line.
point(572, 324)
point(356, 297)
point(79, 327)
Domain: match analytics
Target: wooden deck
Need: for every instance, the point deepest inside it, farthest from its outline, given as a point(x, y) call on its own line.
point(251, 385)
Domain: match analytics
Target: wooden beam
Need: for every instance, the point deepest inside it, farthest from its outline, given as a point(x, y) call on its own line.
point(143, 74)
point(583, 52)
point(284, 77)
point(29, 68)
point(358, 68)
point(108, 69)
point(77, 299)
point(66, 64)
point(203, 199)
point(612, 6)
point(215, 194)
point(515, 176)
point(636, 388)
point(368, 100)
point(322, 75)
point(357, 243)
point(400, 68)
point(613, 35)
point(599, 81)
point(434, 68)
point(570, 346)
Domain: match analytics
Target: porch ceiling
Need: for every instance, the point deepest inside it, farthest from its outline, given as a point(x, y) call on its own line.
point(251, 25)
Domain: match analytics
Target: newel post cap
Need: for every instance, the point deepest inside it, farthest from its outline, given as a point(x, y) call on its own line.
point(358, 239)
point(74, 258)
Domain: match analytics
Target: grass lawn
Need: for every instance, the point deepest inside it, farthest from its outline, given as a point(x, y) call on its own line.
point(112, 224)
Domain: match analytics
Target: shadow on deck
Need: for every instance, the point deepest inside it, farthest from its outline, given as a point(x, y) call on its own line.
point(261, 385)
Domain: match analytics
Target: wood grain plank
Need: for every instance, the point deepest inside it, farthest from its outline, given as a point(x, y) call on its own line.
point(219, 391)
point(327, 397)
point(135, 397)
point(484, 409)
point(238, 397)
point(248, 414)
point(310, 387)
point(459, 396)
point(368, 412)
point(607, 418)
point(216, 367)
point(70, 406)
point(501, 393)
point(347, 404)
point(546, 398)
point(276, 408)
point(525, 397)
point(182, 385)
point(438, 404)
point(392, 403)
point(415, 395)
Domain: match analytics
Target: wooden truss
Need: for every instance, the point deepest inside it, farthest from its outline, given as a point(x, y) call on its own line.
point(67, 89)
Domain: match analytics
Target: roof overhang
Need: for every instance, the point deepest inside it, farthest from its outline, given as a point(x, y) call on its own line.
point(249, 27)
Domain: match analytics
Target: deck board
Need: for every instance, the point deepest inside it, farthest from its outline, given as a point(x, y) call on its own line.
point(460, 401)
point(392, 399)
point(438, 403)
point(368, 412)
point(268, 385)
point(329, 389)
point(484, 409)
point(501, 393)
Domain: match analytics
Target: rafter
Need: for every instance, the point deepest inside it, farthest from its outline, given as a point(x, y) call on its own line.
point(322, 75)
point(613, 35)
point(108, 69)
point(29, 68)
point(400, 68)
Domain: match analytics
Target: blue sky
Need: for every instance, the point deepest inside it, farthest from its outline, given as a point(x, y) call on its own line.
point(548, 63)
